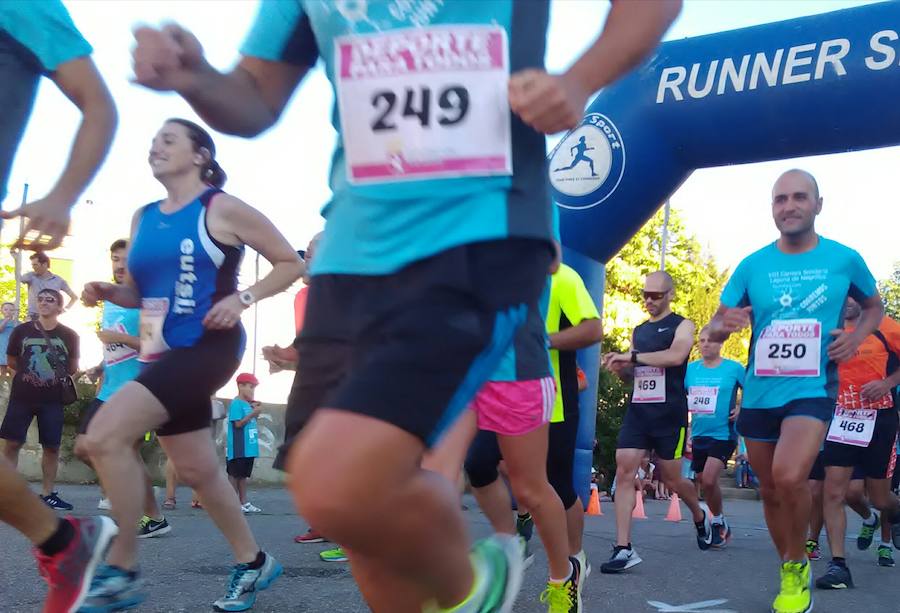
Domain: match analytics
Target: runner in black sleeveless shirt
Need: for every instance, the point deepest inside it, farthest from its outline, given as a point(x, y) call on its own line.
point(656, 419)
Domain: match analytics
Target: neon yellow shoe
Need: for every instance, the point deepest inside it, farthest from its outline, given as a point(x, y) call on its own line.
point(333, 555)
point(795, 595)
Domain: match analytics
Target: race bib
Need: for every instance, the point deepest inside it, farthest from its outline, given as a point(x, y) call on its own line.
point(649, 384)
point(153, 316)
point(852, 426)
point(789, 348)
point(118, 352)
point(424, 103)
point(702, 399)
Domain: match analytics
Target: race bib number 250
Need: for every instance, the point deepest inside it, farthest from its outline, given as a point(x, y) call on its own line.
point(424, 103)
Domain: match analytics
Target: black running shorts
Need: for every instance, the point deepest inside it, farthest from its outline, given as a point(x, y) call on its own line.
point(412, 348)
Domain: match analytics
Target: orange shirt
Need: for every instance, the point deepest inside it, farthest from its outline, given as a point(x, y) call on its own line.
point(869, 364)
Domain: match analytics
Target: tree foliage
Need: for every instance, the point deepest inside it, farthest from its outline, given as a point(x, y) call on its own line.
point(890, 292)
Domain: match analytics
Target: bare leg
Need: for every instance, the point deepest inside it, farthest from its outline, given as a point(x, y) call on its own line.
point(761, 455)
point(575, 525)
point(526, 462)
point(686, 490)
point(795, 452)
point(817, 509)
point(627, 463)
point(495, 503)
point(856, 498)
point(11, 452)
point(414, 510)
point(837, 479)
point(21, 509)
point(171, 479)
point(712, 493)
point(49, 467)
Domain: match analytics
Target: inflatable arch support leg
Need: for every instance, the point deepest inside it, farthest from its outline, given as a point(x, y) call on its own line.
point(823, 84)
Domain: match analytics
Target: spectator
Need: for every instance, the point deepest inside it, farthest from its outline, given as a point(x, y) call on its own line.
point(9, 321)
point(243, 438)
point(40, 279)
point(40, 352)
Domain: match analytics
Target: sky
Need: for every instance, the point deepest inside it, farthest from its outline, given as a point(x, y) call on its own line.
point(284, 172)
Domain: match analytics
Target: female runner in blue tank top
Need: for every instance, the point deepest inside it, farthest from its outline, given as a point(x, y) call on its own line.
point(183, 263)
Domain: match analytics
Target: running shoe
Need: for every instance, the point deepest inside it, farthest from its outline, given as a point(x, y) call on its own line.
point(525, 526)
point(812, 550)
point(885, 556)
point(333, 555)
point(704, 532)
point(150, 528)
point(55, 502)
point(867, 533)
point(113, 589)
point(621, 560)
point(565, 597)
point(245, 583)
point(69, 572)
point(585, 564)
point(795, 595)
point(169, 504)
point(311, 536)
point(250, 508)
point(721, 534)
point(500, 559)
point(104, 505)
point(837, 577)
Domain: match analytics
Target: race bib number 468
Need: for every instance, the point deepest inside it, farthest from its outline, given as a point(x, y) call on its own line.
point(424, 103)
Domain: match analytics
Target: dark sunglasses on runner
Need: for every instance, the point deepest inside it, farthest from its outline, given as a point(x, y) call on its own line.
point(654, 295)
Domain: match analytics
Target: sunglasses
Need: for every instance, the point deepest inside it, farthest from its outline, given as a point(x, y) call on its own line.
point(47, 299)
point(654, 295)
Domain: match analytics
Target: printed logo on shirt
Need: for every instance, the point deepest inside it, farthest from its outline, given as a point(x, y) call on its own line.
point(184, 286)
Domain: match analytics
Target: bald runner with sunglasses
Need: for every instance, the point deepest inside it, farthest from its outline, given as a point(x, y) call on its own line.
point(657, 415)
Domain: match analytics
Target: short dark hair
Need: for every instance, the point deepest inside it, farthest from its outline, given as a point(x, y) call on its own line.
point(40, 256)
point(55, 293)
point(118, 244)
point(211, 173)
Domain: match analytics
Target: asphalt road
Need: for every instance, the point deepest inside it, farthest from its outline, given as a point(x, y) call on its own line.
point(187, 569)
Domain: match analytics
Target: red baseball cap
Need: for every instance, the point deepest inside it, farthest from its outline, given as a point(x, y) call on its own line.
point(246, 377)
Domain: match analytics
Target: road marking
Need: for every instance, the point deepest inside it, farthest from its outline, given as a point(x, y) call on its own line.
point(693, 607)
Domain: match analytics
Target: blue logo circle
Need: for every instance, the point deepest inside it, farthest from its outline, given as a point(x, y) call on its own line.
point(587, 165)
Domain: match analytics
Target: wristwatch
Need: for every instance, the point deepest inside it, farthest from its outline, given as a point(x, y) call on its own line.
point(634, 355)
point(247, 298)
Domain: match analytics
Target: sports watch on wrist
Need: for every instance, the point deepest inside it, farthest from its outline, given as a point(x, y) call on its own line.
point(247, 298)
point(634, 357)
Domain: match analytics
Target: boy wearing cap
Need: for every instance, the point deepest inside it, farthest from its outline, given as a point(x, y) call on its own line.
point(243, 439)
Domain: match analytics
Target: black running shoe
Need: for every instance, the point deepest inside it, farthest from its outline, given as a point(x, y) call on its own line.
point(837, 577)
point(55, 502)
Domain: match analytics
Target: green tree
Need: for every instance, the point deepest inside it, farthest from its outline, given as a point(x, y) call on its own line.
point(698, 285)
point(890, 292)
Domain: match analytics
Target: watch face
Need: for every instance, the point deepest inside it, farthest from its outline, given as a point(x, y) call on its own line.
point(246, 298)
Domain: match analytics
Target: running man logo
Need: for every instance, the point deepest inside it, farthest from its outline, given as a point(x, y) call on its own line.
point(587, 165)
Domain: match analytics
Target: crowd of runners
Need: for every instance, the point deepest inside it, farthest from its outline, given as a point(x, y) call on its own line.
point(449, 275)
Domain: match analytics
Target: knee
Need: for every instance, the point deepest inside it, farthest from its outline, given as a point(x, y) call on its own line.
point(528, 492)
point(768, 493)
point(197, 476)
point(80, 450)
point(833, 495)
point(883, 501)
point(788, 478)
point(709, 482)
point(95, 447)
point(11, 447)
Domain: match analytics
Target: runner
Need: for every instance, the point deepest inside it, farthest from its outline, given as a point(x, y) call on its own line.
point(816, 483)
point(39, 38)
point(572, 323)
point(857, 500)
point(863, 433)
point(712, 385)
point(657, 415)
point(793, 291)
point(121, 343)
point(398, 258)
point(183, 265)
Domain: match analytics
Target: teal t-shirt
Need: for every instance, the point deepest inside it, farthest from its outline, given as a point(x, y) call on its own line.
point(406, 82)
point(712, 393)
point(242, 442)
point(120, 363)
point(797, 300)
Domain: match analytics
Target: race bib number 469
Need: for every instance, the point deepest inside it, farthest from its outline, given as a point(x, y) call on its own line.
point(424, 103)
point(649, 384)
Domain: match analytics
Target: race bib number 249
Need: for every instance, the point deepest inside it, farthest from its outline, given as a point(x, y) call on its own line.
point(424, 103)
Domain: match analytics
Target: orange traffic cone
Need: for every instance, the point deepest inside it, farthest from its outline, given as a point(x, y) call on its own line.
point(638, 512)
point(674, 513)
point(594, 503)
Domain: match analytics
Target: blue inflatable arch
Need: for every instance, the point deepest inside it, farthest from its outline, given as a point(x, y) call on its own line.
point(822, 84)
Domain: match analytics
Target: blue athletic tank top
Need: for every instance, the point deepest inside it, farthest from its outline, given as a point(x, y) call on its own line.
point(180, 268)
